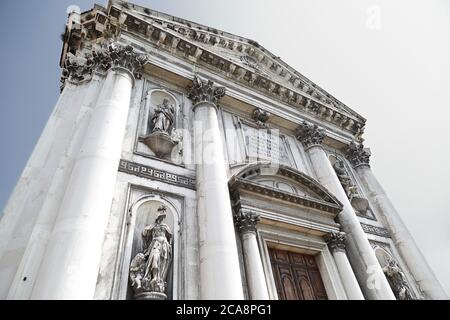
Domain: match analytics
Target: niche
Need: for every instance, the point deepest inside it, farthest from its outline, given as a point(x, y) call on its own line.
point(150, 264)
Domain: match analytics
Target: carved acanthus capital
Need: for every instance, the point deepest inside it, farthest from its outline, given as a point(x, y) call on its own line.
point(116, 55)
point(260, 116)
point(357, 155)
point(246, 221)
point(335, 241)
point(205, 91)
point(80, 67)
point(310, 135)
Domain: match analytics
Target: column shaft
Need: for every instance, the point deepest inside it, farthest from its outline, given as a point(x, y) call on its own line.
point(219, 263)
point(253, 267)
point(70, 265)
point(371, 278)
point(403, 240)
point(347, 276)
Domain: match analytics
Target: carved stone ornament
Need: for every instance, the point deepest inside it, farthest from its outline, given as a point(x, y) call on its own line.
point(344, 178)
point(335, 241)
point(148, 269)
point(357, 155)
point(246, 221)
point(397, 280)
point(160, 140)
point(310, 135)
point(260, 116)
point(80, 67)
point(205, 91)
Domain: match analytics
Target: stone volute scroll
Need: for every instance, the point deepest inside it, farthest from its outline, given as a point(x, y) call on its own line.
point(160, 139)
point(148, 269)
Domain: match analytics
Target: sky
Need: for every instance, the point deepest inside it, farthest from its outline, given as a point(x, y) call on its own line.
point(387, 60)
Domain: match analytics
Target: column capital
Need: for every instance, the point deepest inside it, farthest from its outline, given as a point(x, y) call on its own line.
point(310, 135)
point(80, 67)
point(204, 91)
point(357, 155)
point(246, 221)
point(336, 241)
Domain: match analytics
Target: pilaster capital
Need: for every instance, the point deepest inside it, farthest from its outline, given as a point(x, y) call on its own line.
point(336, 241)
point(310, 135)
point(246, 221)
point(80, 67)
point(204, 91)
point(357, 155)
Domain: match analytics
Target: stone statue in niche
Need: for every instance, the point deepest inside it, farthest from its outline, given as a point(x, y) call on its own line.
point(397, 280)
point(148, 269)
point(163, 117)
point(160, 140)
point(343, 177)
point(359, 204)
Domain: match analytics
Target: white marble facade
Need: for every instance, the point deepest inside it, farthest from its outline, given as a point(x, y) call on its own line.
point(244, 158)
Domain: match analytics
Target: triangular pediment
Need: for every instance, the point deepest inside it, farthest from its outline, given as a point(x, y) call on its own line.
point(286, 184)
point(242, 60)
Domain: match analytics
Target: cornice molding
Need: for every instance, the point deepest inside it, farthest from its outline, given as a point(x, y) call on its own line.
point(196, 45)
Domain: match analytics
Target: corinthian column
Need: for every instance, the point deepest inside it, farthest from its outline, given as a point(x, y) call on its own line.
point(220, 276)
point(362, 256)
point(246, 223)
point(70, 264)
point(359, 157)
point(336, 243)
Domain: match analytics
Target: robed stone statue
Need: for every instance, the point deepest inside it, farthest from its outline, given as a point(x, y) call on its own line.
point(148, 269)
point(163, 117)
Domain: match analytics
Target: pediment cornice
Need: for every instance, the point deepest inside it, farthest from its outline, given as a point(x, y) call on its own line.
point(322, 200)
point(239, 59)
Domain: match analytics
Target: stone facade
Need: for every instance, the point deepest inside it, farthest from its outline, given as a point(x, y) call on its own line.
point(243, 153)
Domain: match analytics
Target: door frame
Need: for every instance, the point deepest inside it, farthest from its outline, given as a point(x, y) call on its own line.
point(269, 236)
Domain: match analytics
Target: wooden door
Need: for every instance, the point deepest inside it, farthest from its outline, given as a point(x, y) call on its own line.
point(296, 276)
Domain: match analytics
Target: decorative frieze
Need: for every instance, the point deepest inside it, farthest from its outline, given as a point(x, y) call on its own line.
point(335, 241)
point(155, 174)
point(378, 231)
point(310, 135)
point(255, 67)
point(246, 220)
point(357, 155)
point(204, 91)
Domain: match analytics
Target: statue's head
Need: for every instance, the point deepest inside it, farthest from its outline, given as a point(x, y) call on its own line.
point(161, 213)
point(165, 101)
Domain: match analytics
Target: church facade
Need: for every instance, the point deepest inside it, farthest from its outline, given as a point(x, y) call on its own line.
point(184, 162)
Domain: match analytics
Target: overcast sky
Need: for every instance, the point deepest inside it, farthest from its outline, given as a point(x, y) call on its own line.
point(388, 60)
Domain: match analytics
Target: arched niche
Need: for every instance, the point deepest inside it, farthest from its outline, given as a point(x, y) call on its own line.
point(154, 98)
point(141, 214)
point(399, 283)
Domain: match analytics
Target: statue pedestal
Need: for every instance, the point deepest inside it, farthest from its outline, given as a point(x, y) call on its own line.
point(160, 143)
point(360, 204)
point(150, 296)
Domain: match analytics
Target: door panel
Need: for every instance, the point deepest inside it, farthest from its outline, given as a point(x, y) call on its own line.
point(296, 276)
